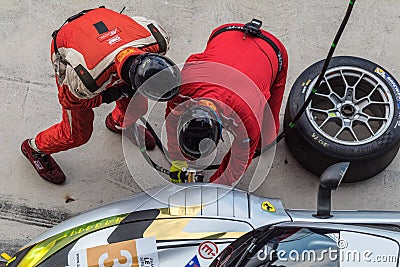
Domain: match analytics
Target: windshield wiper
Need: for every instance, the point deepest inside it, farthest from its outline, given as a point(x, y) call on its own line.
point(248, 250)
point(264, 235)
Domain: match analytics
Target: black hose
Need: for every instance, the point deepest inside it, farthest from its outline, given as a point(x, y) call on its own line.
point(156, 138)
point(142, 146)
point(317, 83)
point(324, 68)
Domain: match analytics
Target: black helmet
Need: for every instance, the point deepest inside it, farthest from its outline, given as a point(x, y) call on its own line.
point(164, 86)
point(195, 125)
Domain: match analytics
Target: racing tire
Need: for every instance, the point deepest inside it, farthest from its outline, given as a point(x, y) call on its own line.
point(354, 116)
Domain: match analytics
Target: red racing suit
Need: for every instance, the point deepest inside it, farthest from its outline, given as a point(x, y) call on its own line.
point(240, 77)
point(86, 56)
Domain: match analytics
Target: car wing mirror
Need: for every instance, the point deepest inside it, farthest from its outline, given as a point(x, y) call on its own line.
point(330, 180)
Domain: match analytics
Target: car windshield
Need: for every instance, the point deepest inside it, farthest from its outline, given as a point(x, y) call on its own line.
point(282, 247)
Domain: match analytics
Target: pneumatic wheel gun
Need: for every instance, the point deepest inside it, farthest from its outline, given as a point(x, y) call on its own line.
point(192, 175)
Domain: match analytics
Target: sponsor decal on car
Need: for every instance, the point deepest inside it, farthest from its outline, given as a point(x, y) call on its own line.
point(194, 262)
point(208, 250)
point(139, 252)
point(267, 206)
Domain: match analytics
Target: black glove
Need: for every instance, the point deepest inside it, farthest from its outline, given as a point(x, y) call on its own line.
point(116, 92)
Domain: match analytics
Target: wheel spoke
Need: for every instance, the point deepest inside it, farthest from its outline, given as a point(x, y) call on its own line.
point(377, 118)
point(379, 103)
point(319, 110)
point(364, 118)
point(366, 103)
point(325, 121)
point(359, 80)
point(322, 95)
point(366, 100)
point(370, 129)
point(363, 102)
point(365, 122)
point(353, 133)
point(333, 96)
point(349, 94)
point(344, 79)
point(340, 131)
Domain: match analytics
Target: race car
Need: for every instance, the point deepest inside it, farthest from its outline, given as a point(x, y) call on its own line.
point(214, 225)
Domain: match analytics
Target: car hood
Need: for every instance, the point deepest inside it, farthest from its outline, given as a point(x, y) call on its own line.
point(188, 200)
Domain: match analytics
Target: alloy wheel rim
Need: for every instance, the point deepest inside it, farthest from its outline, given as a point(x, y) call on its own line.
point(352, 107)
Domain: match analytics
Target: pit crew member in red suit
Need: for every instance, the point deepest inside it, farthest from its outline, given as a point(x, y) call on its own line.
point(237, 83)
point(100, 56)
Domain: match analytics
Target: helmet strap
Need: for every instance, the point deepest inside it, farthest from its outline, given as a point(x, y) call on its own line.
point(123, 60)
point(125, 69)
point(220, 124)
point(211, 106)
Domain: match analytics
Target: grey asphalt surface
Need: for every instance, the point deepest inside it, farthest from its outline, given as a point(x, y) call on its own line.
point(98, 172)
